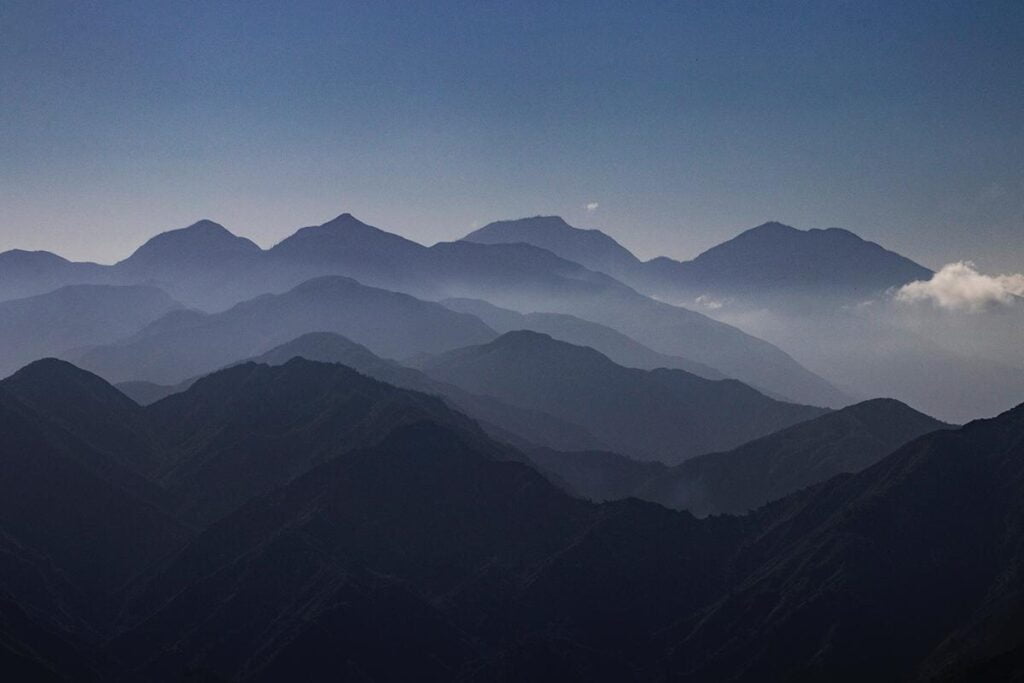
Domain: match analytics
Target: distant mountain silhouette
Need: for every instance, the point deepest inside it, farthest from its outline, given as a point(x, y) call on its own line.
point(203, 263)
point(28, 273)
point(206, 267)
point(73, 318)
point(666, 415)
point(199, 244)
point(770, 260)
point(777, 257)
point(189, 344)
point(334, 521)
point(612, 343)
point(590, 248)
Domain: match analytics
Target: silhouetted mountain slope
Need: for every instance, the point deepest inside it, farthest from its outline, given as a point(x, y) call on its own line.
point(769, 260)
point(880, 575)
point(206, 267)
point(189, 344)
point(524, 277)
point(371, 522)
point(74, 317)
point(267, 425)
point(66, 501)
point(778, 258)
point(346, 245)
point(90, 409)
point(766, 469)
point(599, 475)
point(612, 343)
point(28, 273)
point(666, 415)
point(203, 263)
point(753, 474)
point(590, 248)
point(504, 422)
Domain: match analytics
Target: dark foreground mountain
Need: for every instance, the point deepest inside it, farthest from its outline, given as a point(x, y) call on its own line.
point(845, 441)
point(189, 343)
point(72, 318)
point(765, 469)
point(665, 415)
point(423, 551)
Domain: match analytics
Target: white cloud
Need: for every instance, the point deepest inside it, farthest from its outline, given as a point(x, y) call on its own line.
point(708, 302)
point(959, 286)
point(591, 207)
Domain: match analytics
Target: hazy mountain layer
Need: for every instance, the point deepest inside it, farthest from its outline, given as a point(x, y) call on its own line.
point(665, 415)
point(189, 343)
point(207, 267)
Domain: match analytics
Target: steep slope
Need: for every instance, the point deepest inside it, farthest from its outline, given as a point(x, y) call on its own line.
point(906, 571)
point(771, 260)
point(74, 317)
point(265, 425)
point(666, 415)
point(504, 422)
point(396, 541)
point(94, 412)
point(423, 538)
point(769, 468)
point(183, 346)
point(778, 258)
point(527, 278)
point(610, 342)
point(61, 499)
point(202, 265)
point(590, 248)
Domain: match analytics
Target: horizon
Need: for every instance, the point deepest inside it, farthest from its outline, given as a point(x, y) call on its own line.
point(668, 129)
point(268, 246)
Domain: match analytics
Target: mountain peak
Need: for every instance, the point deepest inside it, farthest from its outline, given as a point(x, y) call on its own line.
point(592, 249)
point(776, 256)
point(202, 239)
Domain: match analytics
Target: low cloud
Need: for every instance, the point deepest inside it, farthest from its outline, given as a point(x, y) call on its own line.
point(960, 287)
point(591, 207)
point(708, 302)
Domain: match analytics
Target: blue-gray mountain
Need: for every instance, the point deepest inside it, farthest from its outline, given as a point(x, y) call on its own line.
point(206, 266)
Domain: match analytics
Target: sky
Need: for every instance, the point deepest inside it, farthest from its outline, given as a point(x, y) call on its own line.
point(670, 125)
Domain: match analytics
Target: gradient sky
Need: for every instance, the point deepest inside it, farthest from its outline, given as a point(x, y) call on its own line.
point(684, 122)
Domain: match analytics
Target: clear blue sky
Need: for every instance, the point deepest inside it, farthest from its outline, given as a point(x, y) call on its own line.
point(684, 122)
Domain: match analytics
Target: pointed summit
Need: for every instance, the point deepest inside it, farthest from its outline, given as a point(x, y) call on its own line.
point(345, 240)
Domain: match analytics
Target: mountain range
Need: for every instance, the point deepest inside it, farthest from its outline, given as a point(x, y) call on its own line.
point(765, 262)
point(756, 473)
point(665, 415)
point(207, 267)
point(304, 521)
